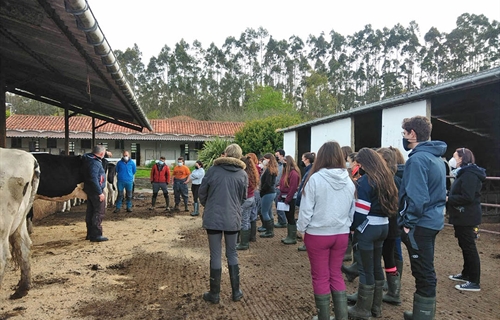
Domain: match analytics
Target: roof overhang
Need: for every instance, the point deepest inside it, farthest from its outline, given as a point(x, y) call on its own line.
point(54, 51)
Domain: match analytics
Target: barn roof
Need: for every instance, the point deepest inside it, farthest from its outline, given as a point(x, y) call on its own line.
point(178, 128)
point(477, 96)
point(54, 51)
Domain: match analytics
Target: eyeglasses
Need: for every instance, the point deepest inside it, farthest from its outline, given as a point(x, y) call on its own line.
point(402, 133)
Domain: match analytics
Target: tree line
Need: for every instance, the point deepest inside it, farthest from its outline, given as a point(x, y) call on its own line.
point(255, 75)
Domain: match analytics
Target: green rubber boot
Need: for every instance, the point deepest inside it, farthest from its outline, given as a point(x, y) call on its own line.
point(291, 237)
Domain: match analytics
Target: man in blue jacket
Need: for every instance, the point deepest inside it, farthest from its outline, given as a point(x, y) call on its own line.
point(125, 171)
point(94, 184)
point(422, 198)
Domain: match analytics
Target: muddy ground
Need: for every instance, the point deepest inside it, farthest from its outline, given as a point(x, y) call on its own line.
point(157, 267)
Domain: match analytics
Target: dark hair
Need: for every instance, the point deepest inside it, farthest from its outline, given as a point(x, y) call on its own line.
point(310, 156)
point(272, 165)
point(330, 156)
point(199, 163)
point(162, 158)
point(466, 155)
point(400, 159)
point(353, 156)
point(252, 173)
point(281, 152)
point(287, 168)
point(346, 150)
point(421, 125)
point(390, 158)
point(181, 158)
point(381, 179)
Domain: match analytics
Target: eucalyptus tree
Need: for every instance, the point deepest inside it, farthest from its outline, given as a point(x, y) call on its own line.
point(318, 100)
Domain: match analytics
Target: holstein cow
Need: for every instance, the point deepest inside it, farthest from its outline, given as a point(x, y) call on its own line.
point(111, 184)
point(61, 180)
point(19, 181)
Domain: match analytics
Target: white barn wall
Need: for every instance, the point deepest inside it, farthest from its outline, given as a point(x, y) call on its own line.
point(338, 130)
point(290, 143)
point(393, 117)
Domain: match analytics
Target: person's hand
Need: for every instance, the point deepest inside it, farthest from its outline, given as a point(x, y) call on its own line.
point(406, 229)
point(101, 197)
point(300, 234)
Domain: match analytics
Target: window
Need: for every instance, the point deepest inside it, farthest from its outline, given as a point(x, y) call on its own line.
point(34, 146)
point(85, 144)
point(72, 147)
point(16, 142)
point(119, 144)
point(51, 143)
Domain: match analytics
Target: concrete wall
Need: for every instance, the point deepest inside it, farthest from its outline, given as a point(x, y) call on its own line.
point(290, 143)
point(338, 130)
point(392, 119)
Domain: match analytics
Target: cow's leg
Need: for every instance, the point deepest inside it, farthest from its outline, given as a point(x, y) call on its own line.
point(29, 220)
point(4, 254)
point(21, 246)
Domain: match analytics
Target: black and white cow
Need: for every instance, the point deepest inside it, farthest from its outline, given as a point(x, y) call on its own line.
point(19, 181)
point(111, 184)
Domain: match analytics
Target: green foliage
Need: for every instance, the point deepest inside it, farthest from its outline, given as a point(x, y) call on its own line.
point(143, 172)
point(266, 98)
point(211, 151)
point(260, 136)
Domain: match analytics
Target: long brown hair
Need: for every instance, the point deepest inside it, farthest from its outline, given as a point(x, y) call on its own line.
point(330, 156)
point(272, 165)
point(390, 158)
point(288, 168)
point(380, 178)
point(252, 173)
point(253, 156)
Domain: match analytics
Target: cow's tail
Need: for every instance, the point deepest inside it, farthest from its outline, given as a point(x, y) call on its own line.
point(35, 180)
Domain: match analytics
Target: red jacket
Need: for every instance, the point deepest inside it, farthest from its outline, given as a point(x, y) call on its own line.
point(160, 173)
point(293, 185)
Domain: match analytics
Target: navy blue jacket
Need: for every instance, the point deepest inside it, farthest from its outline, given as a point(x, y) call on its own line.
point(94, 175)
point(464, 200)
point(301, 186)
point(422, 196)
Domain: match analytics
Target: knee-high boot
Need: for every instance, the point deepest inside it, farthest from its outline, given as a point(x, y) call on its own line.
point(213, 295)
point(393, 294)
point(244, 240)
point(362, 309)
point(291, 237)
point(269, 225)
point(234, 276)
point(322, 307)
point(253, 231)
point(262, 228)
point(339, 305)
point(167, 202)
point(377, 298)
point(351, 272)
point(348, 250)
point(195, 212)
point(424, 308)
point(153, 200)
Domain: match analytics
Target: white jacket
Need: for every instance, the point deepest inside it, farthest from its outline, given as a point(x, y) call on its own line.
point(327, 206)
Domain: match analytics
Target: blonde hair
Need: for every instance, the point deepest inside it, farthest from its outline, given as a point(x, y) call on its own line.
point(234, 151)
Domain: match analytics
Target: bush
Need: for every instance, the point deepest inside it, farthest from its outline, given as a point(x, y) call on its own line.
point(212, 150)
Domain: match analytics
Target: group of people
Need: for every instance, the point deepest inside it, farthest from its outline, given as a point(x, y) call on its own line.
point(370, 198)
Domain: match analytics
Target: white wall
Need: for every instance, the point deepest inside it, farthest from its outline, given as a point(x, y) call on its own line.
point(392, 119)
point(290, 143)
point(338, 130)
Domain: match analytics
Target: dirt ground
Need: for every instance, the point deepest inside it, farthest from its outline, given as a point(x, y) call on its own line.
point(157, 267)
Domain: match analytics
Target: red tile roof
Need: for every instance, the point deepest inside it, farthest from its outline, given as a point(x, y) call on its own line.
point(181, 125)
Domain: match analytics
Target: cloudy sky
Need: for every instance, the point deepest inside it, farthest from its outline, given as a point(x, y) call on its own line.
point(151, 24)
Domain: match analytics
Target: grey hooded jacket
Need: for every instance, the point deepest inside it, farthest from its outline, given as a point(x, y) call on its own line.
point(222, 192)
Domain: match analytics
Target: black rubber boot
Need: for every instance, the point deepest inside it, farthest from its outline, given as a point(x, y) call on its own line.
point(352, 298)
point(234, 276)
point(322, 307)
point(253, 231)
point(186, 208)
point(213, 295)
point(262, 228)
point(399, 266)
point(153, 200)
point(269, 225)
point(377, 298)
point(348, 251)
point(339, 305)
point(423, 308)
point(291, 237)
point(393, 294)
point(196, 208)
point(351, 272)
point(362, 309)
point(176, 207)
point(244, 240)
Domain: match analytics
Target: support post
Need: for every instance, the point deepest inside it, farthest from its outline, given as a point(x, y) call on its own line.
point(66, 130)
point(3, 116)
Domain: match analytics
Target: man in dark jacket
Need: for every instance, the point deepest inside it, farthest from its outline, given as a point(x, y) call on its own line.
point(222, 192)
point(422, 199)
point(94, 184)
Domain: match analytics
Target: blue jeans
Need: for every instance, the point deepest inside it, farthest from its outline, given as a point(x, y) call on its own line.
point(266, 204)
point(128, 191)
point(246, 212)
point(369, 245)
point(420, 243)
point(180, 188)
point(256, 207)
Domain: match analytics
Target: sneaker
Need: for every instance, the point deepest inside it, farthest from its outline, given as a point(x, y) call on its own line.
point(459, 277)
point(468, 286)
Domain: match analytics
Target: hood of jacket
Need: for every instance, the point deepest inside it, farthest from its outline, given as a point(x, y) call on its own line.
point(473, 168)
point(230, 164)
point(437, 148)
point(336, 178)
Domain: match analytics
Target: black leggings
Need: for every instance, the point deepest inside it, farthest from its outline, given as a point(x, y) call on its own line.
point(388, 253)
point(194, 190)
point(215, 245)
point(290, 214)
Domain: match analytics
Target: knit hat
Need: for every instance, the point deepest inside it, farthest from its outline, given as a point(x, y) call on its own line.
point(233, 151)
